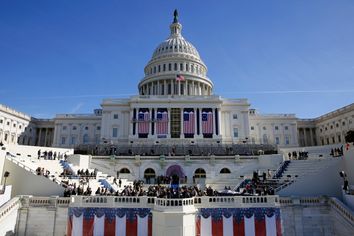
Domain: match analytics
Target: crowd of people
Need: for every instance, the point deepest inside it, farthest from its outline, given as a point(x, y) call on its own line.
point(337, 152)
point(50, 155)
point(298, 155)
point(42, 171)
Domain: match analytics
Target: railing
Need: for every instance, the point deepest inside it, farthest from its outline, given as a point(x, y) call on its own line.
point(11, 157)
point(198, 202)
point(112, 201)
point(9, 207)
point(342, 209)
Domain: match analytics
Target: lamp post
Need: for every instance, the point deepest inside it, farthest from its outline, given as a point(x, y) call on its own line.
point(6, 174)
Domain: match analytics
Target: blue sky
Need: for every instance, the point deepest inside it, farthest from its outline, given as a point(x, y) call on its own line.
point(284, 56)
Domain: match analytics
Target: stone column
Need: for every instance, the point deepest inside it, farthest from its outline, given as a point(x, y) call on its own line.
point(181, 132)
point(169, 123)
point(40, 137)
point(193, 88)
point(172, 87)
point(165, 87)
point(214, 126)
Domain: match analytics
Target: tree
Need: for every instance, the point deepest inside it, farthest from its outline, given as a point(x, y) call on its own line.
point(349, 137)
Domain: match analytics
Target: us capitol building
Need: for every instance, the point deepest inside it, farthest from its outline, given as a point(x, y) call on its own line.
point(175, 105)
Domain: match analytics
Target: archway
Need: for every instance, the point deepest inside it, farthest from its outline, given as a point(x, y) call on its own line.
point(176, 173)
point(200, 173)
point(124, 171)
point(225, 171)
point(149, 176)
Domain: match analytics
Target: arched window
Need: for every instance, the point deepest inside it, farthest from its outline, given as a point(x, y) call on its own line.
point(124, 171)
point(200, 173)
point(149, 173)
point(225, 171)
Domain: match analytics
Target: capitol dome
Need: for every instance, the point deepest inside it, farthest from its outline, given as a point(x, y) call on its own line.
point(175, 68)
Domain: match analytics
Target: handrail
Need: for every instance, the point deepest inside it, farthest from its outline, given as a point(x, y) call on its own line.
point(8, 207)
point(342, 209)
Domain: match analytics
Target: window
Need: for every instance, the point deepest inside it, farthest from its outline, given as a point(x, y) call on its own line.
point(124, 171)
point(20, 126)
point(333, 140)
point(115, 132)
point(276, 128)
point(321, 130)
point(234, 116)
point(264, 128)
point(115, 116)
point(339, 139)
point(169, 67)
point(235, 132)
point(252, 127)
point(164, 67)
point(325, 128)
point(8, 123)
point(86, 128)
point(181, 67)
point(200, 173)
point(225, 171)
point(187, 67)
point(98, 127)
point(5, 138)
point(331, 126)
point(85, 138)
point(74, 128)
point(159, 68)
point(337, 125)
point(14, 125)
point(64, 127)
point(175, 66)
point(154, 69)
point(286, 127)
point(1, 121)
point(63, 140)
point(343, 123)
point(287, 140)
point(277, 141)
point(73, 140)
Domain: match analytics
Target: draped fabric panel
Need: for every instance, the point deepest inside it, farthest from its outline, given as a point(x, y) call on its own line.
point(197, 226)
point(217, 227)
point(228, 227)
point(77, 225)
point(278, 223)
point(260, 227)
point(120, 226)
point(143, 226)
point(239, 227)
point(69, 226)
point(271, 229)
point(205, 226)
point(250, 226)
point(98, 226)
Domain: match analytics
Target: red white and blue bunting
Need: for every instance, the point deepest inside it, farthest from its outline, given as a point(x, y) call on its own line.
point(238, 221)
point(109, 221)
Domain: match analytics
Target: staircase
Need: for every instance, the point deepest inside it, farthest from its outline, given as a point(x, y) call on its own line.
point(312, 176)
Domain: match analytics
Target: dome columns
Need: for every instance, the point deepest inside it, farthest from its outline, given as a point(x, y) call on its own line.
point(174, 87)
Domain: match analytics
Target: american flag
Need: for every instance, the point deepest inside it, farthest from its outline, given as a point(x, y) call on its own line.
point(180, 78)
point(162, 122)
point(188, 122)
point(207, 122)
point(143, 122)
